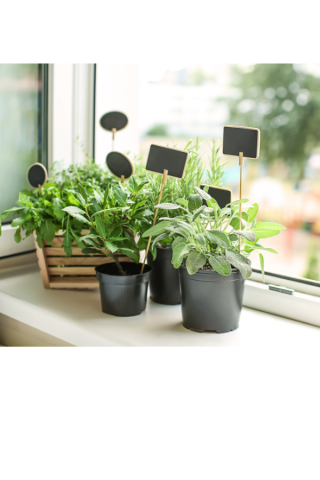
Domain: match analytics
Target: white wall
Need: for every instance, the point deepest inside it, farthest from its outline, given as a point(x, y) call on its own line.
point(117, 89)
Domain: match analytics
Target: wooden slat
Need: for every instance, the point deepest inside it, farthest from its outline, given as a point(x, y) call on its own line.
point(72, 271)
point(57, 241)
point(42, 264)
point(70, 283)
point(60, 251)
point(83, 232)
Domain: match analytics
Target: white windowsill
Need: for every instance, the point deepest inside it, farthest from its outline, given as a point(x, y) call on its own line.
point(75, 317)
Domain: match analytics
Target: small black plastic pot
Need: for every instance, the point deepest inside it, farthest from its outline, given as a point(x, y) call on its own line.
point(164, 281)
point(211, 302)
point(123, 296)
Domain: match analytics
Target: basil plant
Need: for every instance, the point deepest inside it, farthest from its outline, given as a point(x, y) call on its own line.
point(205, 236)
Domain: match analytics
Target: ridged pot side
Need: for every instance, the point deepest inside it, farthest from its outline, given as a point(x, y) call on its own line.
point(164, 280)
point(211, 302)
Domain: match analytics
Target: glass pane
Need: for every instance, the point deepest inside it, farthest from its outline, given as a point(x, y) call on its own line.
point(20, 128)
point(175, 103)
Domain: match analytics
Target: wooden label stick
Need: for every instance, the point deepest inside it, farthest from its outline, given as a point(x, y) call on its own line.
point(241, 162)
point(164, 179)
point(122, 178)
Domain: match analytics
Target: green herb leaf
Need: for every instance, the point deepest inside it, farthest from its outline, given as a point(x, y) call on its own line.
point(17, 235)
point(168, 206)
point(111, 246)
point(176, 242)
point(203, 194)
point(238, 261)
point(247, 235)
point(195, 261)
point(183, 202)
point(194, 202)
point(269, 226)
point(100, 227)
point(220, 264)
point(261, 258)
point(179, 252)
point(252, 212)
point(199, 238)
point(237, 202)
point(160, 237)
point(73, 210)
point(156, 229)
point(218, 237)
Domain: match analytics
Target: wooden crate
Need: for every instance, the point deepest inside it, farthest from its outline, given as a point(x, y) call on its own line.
point(75, 272)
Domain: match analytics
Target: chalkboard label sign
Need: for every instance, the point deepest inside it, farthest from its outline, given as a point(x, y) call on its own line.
point(221, 195)
point(164, 158)
point(120, 165)
point(241, 139)
point(114, 120)
point(37, 175)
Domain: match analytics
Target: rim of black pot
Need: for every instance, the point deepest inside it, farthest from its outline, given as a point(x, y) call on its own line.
point(147, 269)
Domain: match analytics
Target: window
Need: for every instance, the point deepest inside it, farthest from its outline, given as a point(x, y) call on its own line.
point(23, 135)
point(167, 105)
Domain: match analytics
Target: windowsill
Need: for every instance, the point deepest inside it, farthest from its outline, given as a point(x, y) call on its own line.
point(75, 317)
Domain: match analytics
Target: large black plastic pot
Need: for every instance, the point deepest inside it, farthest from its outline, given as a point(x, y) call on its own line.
point(211, 302)
point(123, 296)
point(164, 281)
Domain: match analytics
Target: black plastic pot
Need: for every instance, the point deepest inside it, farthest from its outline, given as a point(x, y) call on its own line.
point(211, 302)
point(123, 296)
point(164, 281)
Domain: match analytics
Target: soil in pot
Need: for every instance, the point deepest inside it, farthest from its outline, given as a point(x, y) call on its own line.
point(211, 302)
point(164, 280)
point(123, 295)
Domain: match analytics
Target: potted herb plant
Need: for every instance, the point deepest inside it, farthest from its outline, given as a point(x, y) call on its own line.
point(114, 224)
point(206, 251)
point(164, 281)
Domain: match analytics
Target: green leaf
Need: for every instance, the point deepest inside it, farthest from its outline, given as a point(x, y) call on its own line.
point(156, 229)
point(73, 210)
point(252, 212)
point(97, 196)
point(17, 235)
point(121, 196)
point(247, 235)
point(238, 261)
point(111, 246)
point(179, 252)
point(7, 212)
point(261, 258)
point(260, 247)
point(183, 202)
point(176, 241)
point(269, 226)
point(218, 237)
point(232, 237)
point(131, 254)
point(221, 265)
point(100, 227)
point(195, 261)
point(83, 193)
point(67, 241)
point(160, 237)
point(197, 213)
point(194, 202)
point(48, 231)
point(237, 202)
point(199, 238)
point(91, 251)
point(20, 221)
point(262, 233)
point(168, 206)
point(203, 194)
